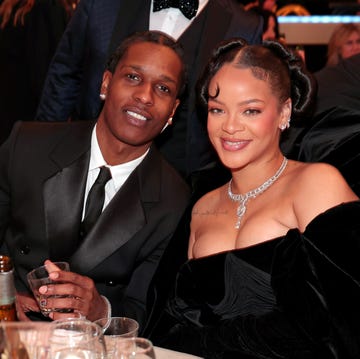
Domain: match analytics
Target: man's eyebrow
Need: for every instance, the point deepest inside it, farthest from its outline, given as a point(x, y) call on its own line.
point(168, 79)
point(162, 77)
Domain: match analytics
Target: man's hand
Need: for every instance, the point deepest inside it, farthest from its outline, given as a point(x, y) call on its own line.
point(25, 303)
point(77, 292)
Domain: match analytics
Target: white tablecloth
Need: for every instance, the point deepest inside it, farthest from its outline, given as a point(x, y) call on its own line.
point(162, 353)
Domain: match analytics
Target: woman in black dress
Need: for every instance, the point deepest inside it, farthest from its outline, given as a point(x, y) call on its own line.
point(273, 254)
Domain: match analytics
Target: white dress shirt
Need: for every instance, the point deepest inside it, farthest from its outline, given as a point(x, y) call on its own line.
point(119, 173)
point(171, 20)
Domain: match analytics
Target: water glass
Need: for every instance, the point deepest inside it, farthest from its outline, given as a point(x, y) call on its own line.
point(115, 328)
point(76, 339)
point(134, 348)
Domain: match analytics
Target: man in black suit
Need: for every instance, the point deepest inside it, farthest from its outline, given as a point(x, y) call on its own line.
point(338, 86)
point(47, 170)
point(73, 82)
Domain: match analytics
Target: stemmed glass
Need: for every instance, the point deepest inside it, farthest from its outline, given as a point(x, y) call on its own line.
point(134, 348)
point(77, 339)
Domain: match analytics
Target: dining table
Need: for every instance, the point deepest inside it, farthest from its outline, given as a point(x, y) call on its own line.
point(162, 353)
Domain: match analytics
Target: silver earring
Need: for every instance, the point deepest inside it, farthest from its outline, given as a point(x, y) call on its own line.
point(285, 125)
point(165, 126)
point(168, 123)
point(102, 97)
point(288, 122)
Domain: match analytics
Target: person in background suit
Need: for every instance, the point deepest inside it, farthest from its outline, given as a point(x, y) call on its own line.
point(47, 169)
point(339, 85)
point(269, 5)
point(333, 134)
point(271, 25)
point(330, 134)
point(74, 77)
point(29, 33)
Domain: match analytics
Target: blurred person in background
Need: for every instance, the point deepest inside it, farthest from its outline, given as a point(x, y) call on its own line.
point(270, 25)
point(338, 85)
point(269, 5)
point(344, 42)
point(29, 33)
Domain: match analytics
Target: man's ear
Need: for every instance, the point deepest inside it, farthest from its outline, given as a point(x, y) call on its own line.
point(107, 76)
point(177, 103)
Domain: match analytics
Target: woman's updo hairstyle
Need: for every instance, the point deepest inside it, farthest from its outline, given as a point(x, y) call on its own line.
point(272, 62)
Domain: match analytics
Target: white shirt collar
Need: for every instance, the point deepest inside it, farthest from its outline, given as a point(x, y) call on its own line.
point(120, 172)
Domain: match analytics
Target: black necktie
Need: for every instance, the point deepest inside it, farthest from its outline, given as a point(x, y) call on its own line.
point(187, 7)
point(95, 200)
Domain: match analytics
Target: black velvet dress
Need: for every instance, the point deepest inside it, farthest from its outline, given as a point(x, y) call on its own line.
point(297, 296)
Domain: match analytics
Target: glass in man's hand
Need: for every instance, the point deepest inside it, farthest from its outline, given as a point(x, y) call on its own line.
point(39, 277)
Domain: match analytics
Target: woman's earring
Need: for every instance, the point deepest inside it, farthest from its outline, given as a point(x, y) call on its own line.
point(170, 121)
point(285, 125)
point(102, 97)
point(288, 122)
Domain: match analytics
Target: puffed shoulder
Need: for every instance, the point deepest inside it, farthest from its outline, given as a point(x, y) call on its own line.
point(316, 274)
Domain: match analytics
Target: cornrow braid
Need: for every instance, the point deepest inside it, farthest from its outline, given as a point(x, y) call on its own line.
point(302, 82)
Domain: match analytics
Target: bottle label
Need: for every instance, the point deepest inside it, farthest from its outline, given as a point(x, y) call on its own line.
point(7, 288)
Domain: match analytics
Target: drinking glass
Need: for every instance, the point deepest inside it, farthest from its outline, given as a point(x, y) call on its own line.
point(76, 339)
point(134, 348)
point(115, 328)
point(25, 339)
point(39, 277)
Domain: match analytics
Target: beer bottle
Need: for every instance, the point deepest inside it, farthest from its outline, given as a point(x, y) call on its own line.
point(7, 290)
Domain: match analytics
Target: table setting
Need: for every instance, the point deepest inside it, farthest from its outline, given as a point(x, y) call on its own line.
point(76, 338)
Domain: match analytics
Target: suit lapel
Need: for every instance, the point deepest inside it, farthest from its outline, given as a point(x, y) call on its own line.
point(64, 191)
point(124, 216)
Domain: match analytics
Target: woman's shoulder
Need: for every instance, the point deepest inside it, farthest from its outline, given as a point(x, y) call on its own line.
point(314, 168)
point(316, 188)
point(318, 176)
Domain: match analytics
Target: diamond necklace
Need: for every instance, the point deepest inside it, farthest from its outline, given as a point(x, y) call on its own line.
point(243, 198)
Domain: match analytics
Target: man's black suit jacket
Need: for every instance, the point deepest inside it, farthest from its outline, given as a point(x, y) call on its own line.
point(338, 86)
point(43, 172)
point(73, 84)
